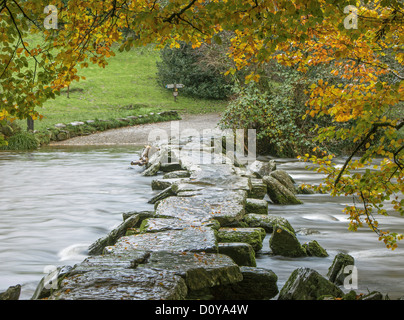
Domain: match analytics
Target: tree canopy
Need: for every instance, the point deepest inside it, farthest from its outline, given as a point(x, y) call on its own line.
point(361, 41)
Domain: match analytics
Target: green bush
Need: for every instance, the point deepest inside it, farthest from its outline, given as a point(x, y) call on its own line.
point(272, 112)
point(181, 65)
point(22, 141)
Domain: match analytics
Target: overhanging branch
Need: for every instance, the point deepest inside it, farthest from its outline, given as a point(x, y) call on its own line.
point(372, 131)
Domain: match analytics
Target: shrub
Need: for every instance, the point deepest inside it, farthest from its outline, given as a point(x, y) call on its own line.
point(279, 127)
point(22, 141)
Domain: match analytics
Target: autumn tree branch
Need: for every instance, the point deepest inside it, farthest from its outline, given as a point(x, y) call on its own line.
point(177, 15)
point(375, 127)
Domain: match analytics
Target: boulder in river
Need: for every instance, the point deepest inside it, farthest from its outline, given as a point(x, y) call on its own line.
point(12, 293)
point(284, 242)
point(308, 284)
point(199, 270)
point(278, 193)
point(266, 221)
point(314, 249)
point(336, 271)
point(285, 179)
point(226, 206)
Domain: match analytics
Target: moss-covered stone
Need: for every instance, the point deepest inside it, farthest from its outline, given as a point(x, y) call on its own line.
point(256, 206)
point(266, 221)
point(257, 284)
point(351, 295)
point(169, 167)
point(314, 249)
point(167, 192)
point(132, 231)
point(161, 184)
point(285, 179)
point(195, 239)
point(308, 284)
point(252, 236)
point(12, 293)
point(63, 135)
point(258, 189)
point(284, 242)
point(336, 270)
point(278, 193)
point(199, 270)
point(152, 170)
point(242, 253)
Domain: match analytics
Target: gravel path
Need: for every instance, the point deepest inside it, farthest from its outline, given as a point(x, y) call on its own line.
point(138, 135)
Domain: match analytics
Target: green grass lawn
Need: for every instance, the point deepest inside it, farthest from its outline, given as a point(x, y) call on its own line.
point(127, 86)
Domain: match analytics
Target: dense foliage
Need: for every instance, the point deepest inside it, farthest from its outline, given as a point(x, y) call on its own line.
point(182, 65)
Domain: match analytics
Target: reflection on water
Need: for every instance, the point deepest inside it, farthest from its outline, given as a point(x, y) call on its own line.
point(54, 202)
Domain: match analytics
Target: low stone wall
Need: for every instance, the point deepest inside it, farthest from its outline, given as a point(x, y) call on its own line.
point(64, 131)
point(200, 241)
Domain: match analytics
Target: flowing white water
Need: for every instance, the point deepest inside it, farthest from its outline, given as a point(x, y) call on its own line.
point(54, 202)
point(377, 267)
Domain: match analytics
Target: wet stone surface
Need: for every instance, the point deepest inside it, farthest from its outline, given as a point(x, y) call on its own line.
point(195, 239)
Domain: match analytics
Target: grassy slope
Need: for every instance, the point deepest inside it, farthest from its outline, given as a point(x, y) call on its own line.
point(128, 80)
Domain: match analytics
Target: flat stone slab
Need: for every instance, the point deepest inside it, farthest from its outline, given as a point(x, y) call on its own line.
point(199, 270)
point(224, 205)
point(161, 184)
point(162, 224)
point(194, 239)
point(122, 284)
point(221, 175)
point(118, 277)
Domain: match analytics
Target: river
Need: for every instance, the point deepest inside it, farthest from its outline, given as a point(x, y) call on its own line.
point(56, 201)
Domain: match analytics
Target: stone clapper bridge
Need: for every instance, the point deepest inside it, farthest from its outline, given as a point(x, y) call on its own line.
point(198, 243)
